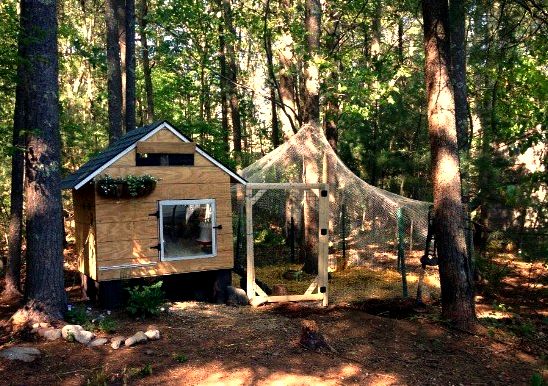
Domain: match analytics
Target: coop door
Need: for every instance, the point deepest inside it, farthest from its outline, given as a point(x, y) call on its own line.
point(187, 229)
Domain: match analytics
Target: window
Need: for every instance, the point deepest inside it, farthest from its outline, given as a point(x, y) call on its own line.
point(187, 229)
point(163, 159)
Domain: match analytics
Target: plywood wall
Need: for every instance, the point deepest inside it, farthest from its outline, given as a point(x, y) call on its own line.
point(125, 231)
point(84, 223)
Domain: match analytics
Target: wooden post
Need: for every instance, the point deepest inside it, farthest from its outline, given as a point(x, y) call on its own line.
point(401, 250)
point(249, 241)
point(323, 245)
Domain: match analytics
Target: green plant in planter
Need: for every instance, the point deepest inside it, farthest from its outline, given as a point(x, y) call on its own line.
point(140, 185)
point(108, 186)
point(128, 186)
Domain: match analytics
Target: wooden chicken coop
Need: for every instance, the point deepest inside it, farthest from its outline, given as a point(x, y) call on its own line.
point(151, 204)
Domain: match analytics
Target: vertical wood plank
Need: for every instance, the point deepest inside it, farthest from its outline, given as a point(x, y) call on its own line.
point(323, 245)
point(249, 243)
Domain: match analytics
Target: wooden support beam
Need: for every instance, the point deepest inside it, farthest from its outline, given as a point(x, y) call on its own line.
point(166, 147)
point(258, 196)
point(249, 242)
point(284, 186)
point(323, 245)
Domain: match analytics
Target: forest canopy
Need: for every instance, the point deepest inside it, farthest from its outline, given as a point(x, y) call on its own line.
point(200, 63)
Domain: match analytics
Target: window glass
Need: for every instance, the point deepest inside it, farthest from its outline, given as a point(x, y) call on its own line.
point(162, 159)
point(187, 229)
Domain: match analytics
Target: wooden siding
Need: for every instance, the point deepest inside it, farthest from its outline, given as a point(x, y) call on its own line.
point(125, 231)
point(84, 223)
point(166, 147)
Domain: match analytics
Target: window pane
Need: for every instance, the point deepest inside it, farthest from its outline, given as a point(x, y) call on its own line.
point(187, 230)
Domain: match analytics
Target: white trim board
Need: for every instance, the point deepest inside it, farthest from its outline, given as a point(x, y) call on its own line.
point(163, 125)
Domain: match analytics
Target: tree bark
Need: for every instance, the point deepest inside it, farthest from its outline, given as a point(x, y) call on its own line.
point(45, 282)
point(313, 14)
point(455, 275)
point(232, 72)
point(147, 70)
point(12, 284)
point(121, 21)
point(130, 117)
point(223, 87)
point(114, 72)
point(267, 40)
point(458, 70)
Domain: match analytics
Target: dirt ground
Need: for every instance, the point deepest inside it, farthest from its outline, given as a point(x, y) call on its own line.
point(375, 342)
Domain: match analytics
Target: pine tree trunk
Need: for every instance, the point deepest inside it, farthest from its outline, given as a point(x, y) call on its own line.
point(455, 275)
point(130, 117)
point(458, 70)
point(114, 72)
point(267, 40)
point(45, 282)
point(223, 87)
point(313, 14)
point(147, 71)
point(232, 72)
point(121, 21)
point(12, 284)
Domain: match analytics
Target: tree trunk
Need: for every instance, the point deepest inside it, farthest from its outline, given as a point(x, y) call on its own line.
point(114, 72)
point(455, 275)
point(45, 282)
point(458, 71)
point(313, 14)
point(223, 87)
point(121, 21)
point(12, 284)
point(267, 40)
point(232, 72)
point(130, 65)
point(147, 71)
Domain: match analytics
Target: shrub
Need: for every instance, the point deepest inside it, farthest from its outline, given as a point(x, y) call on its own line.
point(77, 315)
point(145, 300)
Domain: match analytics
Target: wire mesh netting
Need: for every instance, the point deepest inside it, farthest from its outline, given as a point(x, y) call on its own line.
point(367, 224)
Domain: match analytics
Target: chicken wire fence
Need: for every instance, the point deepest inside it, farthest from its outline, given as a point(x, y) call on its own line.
point(366, 224)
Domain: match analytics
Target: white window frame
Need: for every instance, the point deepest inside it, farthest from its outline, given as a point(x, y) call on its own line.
point(210, 201)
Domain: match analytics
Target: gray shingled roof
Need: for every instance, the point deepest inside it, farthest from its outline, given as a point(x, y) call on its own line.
point(106, 155)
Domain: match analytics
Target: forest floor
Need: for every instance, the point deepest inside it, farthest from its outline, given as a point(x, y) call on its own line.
point(381, 341)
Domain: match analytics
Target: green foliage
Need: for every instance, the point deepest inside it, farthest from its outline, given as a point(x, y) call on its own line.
point(268, 237)
point(537, 380)
point(77, 315)
point(145, 300)
point(180, 357)
point(130, 185)
point(491, 271)
point(98, 378)
point(107, 324)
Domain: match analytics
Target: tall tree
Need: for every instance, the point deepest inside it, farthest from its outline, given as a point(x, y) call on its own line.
point(145, 58)
point(45, 283)
point(313, 15)
point(223, 86)
point(458, 70)
point(311, 116)
point(129, 115)
point(114, 71)
point(455, 275)
point(12, 286)
point(232, 74)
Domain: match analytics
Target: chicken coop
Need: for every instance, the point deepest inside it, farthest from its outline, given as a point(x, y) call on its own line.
point(152, 204)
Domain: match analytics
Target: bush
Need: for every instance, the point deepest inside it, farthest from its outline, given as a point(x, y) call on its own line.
point(145, 300)
point(77, 315)
point(492, 272)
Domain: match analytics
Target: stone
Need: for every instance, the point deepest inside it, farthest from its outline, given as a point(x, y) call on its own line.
point(236, 297)
point(25, 354)
point(68, 332)
point(51, 333)
point(153, 334)
point(98, 342)
point(116, 342)
point(137, 338)
point(83, 336)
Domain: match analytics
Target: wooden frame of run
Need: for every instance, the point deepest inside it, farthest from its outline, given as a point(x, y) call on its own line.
point(318, 289)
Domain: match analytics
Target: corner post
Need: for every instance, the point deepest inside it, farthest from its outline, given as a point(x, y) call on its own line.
point(249, 242)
